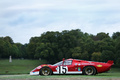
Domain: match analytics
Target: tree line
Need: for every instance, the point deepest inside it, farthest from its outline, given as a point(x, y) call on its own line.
point(53, 46)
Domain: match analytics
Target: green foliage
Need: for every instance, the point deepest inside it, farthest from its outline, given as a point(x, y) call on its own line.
point(96, 56)
point(107, 55)
point(8, 47)
point(8, 39)
point(85, 55)
point(53, 46)
point(31, 50)
point(76, 52)
point(116, 35)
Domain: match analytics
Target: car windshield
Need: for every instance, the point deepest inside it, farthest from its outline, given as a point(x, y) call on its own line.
point(59, 63)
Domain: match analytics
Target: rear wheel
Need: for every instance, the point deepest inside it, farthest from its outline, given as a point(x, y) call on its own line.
point(45, 71)
point(89, 70)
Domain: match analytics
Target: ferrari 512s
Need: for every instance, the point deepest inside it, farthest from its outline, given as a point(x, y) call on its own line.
point(73, 66)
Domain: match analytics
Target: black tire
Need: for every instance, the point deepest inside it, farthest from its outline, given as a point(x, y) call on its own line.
point(89, 70)
point(45, 71)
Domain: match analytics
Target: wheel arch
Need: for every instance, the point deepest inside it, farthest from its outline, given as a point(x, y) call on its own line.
point(91, 66)
point(45, 67)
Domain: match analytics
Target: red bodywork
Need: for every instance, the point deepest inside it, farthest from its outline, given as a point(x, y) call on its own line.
point(74, 66)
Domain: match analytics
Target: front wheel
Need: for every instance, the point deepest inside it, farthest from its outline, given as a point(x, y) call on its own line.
point(89, 70)
point(45, 71)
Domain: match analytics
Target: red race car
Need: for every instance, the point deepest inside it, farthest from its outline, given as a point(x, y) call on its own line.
point(73, 66)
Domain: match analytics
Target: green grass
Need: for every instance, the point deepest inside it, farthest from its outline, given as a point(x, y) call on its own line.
point(18, 66)
point(103, 76)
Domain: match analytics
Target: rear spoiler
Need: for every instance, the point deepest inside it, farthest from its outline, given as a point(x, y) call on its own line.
point(110, 62)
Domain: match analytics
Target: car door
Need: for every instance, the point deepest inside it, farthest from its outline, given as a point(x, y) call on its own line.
point(68, 67)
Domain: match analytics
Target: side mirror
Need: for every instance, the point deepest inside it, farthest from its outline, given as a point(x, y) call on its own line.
point(63, 61)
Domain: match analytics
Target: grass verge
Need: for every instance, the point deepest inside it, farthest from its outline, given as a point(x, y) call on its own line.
point(18, 66)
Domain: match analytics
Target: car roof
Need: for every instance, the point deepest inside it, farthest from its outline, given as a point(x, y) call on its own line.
point(74, 59)
point(82, 60)
point(70, 59)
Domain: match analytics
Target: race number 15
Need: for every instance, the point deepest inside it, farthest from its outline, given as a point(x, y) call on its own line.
point(62, 69)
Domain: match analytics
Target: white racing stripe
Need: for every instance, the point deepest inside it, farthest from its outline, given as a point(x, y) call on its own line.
point(34, 73)
point(74, 72)
point(70, 72)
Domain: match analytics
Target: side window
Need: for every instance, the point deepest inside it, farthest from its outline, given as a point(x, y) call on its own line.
point(68, 62)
